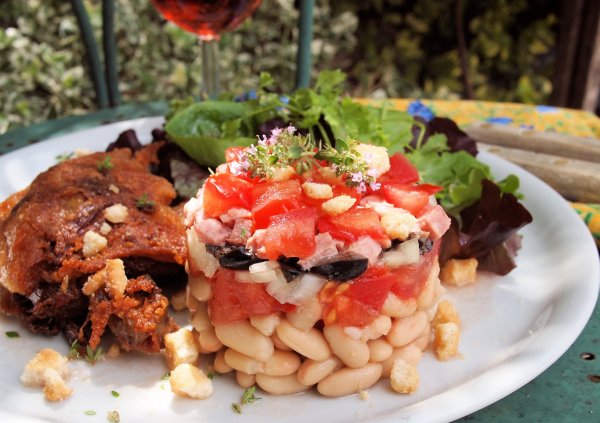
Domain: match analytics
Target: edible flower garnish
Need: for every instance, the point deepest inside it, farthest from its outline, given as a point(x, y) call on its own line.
point(286, 148)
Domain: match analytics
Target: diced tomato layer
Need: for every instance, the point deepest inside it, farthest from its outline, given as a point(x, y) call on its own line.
point(224, 191)
point(233, 301)
point(361, 302)
point(411, 279)
point(273, 198)
point(413, 198)
point(291, 234)
point(354, 223)
point(402, 171)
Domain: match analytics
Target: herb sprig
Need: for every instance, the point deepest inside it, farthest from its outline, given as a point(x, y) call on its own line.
point(248, 397)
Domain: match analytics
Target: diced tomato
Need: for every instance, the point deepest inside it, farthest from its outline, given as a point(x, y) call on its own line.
point(273, 198)
point(233, 301)
point(435, 221)
point(413, 198)
point(402, 171)
point(411, 279)
point(291, 234)
point(354, 223)
point(224, 191)
point(362, 301)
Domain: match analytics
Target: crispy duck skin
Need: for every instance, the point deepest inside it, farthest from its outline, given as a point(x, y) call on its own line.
point(42, 265)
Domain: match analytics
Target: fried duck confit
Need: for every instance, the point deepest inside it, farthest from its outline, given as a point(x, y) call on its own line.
point(88, 246)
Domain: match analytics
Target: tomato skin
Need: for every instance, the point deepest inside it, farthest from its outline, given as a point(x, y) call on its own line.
point(413, 198)
point(224, 191)
point(274, 198)
point(291, 234)
point(402, 171)
point(354, 223)
point(234, 301)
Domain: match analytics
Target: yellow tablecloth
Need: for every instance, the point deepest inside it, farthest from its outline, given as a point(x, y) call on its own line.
point(540, 118)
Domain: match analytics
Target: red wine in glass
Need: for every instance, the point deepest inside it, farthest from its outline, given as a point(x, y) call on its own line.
point(208, 19)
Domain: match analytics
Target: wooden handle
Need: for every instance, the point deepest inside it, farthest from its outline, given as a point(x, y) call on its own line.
point(574, 179)
point(587, 149)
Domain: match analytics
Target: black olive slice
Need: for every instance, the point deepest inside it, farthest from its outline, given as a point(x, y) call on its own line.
point(425, 245)
point(342, 268)
point(290, 267)
point(233, 257)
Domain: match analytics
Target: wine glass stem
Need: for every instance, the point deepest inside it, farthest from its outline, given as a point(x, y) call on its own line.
point(210, 69)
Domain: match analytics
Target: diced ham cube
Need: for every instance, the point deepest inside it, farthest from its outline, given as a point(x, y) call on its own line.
point(256, 243)
point(366, 247)
point(193, 208)
point(242, 229)
point(325, 248)
point(435, 221)
point(211, 231)
point(233, 214)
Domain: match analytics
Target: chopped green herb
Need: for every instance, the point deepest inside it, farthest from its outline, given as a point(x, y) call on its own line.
point(248, 396)
point(92, 355)
point(113, 417)
point(210, 375)
point(115, 394)
point(236, 407)
point(166, 376)
point(243, 233)
point(89, 412)
point(105, 164)
point(13, 334)
point(65, 156)
point(143, 203)
point(74, 350)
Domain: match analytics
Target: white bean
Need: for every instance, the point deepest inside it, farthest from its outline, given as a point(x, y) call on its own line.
point(409, 353)
point(241, 362)
point(282, 363)
point(208, 341)
point(347, 381)
point(190, 301)
point(219, 364)
point(306, 315)
point(396, 307)
point(312, 372)
point(379, 327)
point(199, 286)
point(201, 321)
point(427, 297)
point(243, 337)
point(379, 350)
point(280, 385)
point(266, 324)
point(278, 343)
point(407, 329)
point(424, 338)
point(244, 379)
point(310, 344)
point(353, 352)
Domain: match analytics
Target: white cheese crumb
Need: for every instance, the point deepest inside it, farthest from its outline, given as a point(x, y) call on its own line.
point(114, 188)
point(364, 395)
point(338, 205)
point(376, 157)
point(399, 224)
point(93, 243)
point(117, 213)
point(80, 152)
point(317, 191)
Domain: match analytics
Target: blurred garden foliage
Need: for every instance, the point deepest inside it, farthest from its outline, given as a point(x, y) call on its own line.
point(389, 48)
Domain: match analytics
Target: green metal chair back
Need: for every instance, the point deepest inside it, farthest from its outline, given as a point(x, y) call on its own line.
point(104, 73)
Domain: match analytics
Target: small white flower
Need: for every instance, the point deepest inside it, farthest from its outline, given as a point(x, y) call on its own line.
point(276, 132)
point(290, 130)
point(361, 188)
point(368, 157)
point(357, 177)
point(262, 141)
point(375, 186)
point(251, 150)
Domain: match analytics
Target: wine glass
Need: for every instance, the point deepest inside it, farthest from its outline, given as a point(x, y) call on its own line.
point(208, 19)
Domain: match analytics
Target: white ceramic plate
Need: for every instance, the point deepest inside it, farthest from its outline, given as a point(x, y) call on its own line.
point(514, 328)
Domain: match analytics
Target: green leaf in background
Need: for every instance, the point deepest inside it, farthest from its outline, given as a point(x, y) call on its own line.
point(205, 130)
